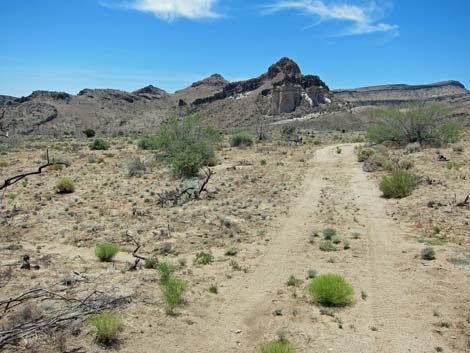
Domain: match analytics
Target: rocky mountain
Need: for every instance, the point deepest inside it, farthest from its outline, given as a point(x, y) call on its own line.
point(281, 94)
point(448, 91)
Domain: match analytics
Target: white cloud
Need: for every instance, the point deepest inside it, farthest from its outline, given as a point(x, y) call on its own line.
point(169, 10)
point(363, 19)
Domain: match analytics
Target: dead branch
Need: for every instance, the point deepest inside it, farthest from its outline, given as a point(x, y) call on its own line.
point(133, 266)
point(75, 309)
point(13, 180)
point(173, 197)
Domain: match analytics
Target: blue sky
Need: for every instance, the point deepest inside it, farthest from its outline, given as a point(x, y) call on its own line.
point(68, 45)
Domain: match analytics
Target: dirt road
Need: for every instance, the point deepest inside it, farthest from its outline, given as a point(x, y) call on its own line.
point(392, 311)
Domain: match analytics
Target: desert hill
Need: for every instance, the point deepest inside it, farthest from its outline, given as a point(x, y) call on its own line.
point(281, 94)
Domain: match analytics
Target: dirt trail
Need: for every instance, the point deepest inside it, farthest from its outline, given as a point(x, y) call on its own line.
point(394, 318)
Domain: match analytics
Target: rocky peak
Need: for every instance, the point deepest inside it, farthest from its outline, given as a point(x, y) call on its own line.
point(151, 90)
point(214, 80)
point(286, 66)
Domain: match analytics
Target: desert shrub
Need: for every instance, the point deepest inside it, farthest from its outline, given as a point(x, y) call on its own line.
point(389, 165)
point(173, 291)
point(294, 282)
point(148, 143)
point(242, 139)
point(105, 252)
point(327, 245)
point(288, 131)
point(213, 289)
point(203, 258)
point(406, 164)
point(336, 239)
point(99, 145)
point(165, 269)
point(363, 154)
point(339, 150)
point(277, 346)
point(231, 251)
point(375, 162)
point(89, 133)
point(189, 144)
point(136, 168)
point(331, 290)
point(311, 274)
point(64, 185)
point(3, 164)
point(428, 254)
point(418, 122)
point(413, 147)
point(398, 185)
point(107, 326)
point(329, 233)
point(151, 262)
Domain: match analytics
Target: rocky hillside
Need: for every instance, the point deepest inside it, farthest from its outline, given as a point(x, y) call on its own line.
point(281, 94)
point(448, 91)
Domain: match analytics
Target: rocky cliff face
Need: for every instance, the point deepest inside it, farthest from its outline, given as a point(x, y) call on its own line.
point(396, 94)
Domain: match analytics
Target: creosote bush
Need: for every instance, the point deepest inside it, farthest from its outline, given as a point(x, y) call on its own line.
point(105, 252)
point(107, 326)
point(65, 185)
point(242, 139)
point(99, 145)
point(332, 290)
point(188, 144)
point(398, 185)
point(418, 122)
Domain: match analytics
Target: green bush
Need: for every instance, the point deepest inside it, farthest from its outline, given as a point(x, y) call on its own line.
point(277, 346)
point(329, 233)
point(148, 143)
point(363, 154)
point(165, 269)
point(105, 252)
point(331, 290)
point(418, 122)
point(107, 326)
point(65, 185)
point(99, 145)
point(89, 133)
point(400, 184)
point(173, 291)
point(242, 139)
point(406, 164)
point(328, 245)
point(151, 262)
point(203, 258)
point(188, 144)
point(428, 254)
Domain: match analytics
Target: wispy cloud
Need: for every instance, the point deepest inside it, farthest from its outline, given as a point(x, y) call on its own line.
point(169, 10)
point(361, 19)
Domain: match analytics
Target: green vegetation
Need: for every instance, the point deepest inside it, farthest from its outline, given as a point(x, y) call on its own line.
point(418, 122)
point(165, 269)
point(99, 145)
point(400, 184)
point(107, 326)
point(173, 290)
point(148, 143)
point(151, 262)
point(329, 233)
point(203, 258)
point(428, 254)
point(65, 185)
point(242, 139)
point(231, 251)
point(363, 154)
point(331, 290)
point(294, 282)
point(105, 252)
point(188, 144)
point(327, 245)
point(277, 346)
point(338, 150)
point(89, 133)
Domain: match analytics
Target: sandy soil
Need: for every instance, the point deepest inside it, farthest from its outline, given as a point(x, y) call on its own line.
point(402, 303)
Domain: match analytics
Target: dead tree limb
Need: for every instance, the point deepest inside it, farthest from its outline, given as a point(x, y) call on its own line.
point(174, 196)
point(137, 257)
point(13, 180)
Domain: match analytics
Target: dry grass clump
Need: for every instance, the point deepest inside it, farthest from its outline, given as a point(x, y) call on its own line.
point(107, 326)
point(65, 185)
point(398, 185)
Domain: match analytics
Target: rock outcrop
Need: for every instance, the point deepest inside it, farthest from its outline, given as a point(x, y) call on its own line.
point(397, 94)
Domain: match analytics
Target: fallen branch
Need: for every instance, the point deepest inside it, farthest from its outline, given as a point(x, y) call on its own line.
point(133, 267)
point(13, 180)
